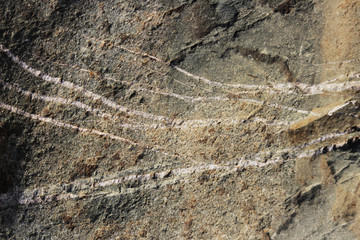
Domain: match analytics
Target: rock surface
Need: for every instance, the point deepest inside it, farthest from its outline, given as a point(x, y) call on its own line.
point(207, 119)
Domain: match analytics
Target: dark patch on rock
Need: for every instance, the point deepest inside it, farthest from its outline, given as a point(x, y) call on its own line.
point(12, 153)
point(199, 19)
point(352, 145)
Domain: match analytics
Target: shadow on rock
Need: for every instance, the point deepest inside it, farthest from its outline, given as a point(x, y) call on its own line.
point(12, 154)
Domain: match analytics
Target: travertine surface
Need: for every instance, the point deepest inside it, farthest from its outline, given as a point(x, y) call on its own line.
point(207, 119)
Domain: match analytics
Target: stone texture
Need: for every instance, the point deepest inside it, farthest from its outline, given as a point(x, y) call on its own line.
point(208, 119)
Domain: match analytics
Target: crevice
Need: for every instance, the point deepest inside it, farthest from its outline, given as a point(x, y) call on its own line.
point(285, 7)
point(352, 145)
point(285, 225)
point(177, 9)
point(250, 25)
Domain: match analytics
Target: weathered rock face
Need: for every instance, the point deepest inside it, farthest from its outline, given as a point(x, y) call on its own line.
point(208, 119)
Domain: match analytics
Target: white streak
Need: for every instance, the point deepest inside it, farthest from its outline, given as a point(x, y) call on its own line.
point(331, 112)
point(57, 100)
point(205, 80)
point(80, 188)
point(225, 121)
point(287, 88)
point(78, 104)
point(142, 54)
point(193, 99)
point(57, 123)
point(80, 89)
point(219, 98)
point(329, 88)
point(62, 124)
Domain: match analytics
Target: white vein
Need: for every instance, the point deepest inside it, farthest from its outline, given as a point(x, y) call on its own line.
point(193, 99)
point(80, 89)
point(62, 124)
point(332, 111)
point(80, 188)
point(274, 88)
point(57, 100)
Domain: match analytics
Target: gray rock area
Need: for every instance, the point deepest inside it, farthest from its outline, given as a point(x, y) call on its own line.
point(188, 119)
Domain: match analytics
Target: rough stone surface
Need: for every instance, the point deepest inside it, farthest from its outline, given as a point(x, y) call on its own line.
point(207, 119)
